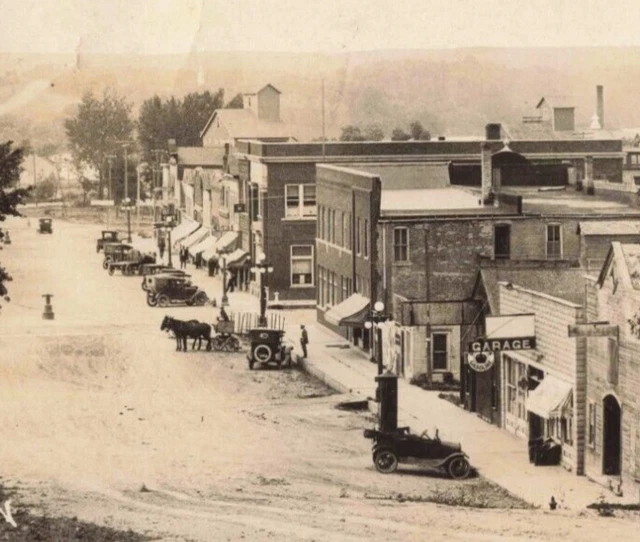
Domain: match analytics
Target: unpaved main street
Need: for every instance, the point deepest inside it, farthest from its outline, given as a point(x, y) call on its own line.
point(103, 420)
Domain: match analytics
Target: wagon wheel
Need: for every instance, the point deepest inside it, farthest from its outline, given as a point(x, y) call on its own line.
point(459, 468)
point(385, 461)
point(217, 345)
point(111, 270)
point(152, 300)
point(163, 301)
point(234, 343)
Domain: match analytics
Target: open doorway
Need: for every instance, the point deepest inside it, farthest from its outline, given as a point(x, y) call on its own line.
point(611, 448)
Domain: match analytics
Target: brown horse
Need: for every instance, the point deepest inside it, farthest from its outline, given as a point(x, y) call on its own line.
point(183, 330)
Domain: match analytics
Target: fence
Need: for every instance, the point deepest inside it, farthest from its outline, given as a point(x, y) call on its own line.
point(244, 321)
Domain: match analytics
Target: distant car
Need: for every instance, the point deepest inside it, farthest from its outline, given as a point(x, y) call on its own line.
point(149, 271)
point(164, 290)
point(45, 225)
point(115, 252)
point(108, 236)
point(267, 346)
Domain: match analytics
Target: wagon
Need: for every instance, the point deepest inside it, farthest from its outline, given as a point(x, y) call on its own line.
point(267, 347)
point(107, 236)
point(45, 225)
point(115, 252)
point(164, 290)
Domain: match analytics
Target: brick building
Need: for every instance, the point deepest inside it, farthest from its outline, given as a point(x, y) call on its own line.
point(613, 376)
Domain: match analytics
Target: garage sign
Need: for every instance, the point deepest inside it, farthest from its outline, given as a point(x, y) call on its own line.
point(491, 345)
point(481, 362)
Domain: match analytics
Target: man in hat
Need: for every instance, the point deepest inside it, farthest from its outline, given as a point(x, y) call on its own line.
point(304, 341)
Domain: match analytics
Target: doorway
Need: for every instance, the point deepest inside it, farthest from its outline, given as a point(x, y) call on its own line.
point(611, 437)
point(502, 241)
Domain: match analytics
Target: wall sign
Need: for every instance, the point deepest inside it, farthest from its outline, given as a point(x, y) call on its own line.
point(491, 345)
point(481, 362)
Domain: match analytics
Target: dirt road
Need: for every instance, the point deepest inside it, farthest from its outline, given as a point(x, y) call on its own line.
point(104, 420)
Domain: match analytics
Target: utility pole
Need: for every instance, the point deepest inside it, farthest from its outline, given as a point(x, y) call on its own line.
point(324, 137)
point(35, 180)
point(110, 159)
point(125, 143)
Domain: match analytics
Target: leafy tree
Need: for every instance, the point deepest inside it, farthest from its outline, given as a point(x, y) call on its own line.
point(45, 189)
point(373, 132)
point(400, 135)
point(351, 133)
point(10, 195)
point(418, 132)
point(98, 129)
point(182, 120)
point(236, 102)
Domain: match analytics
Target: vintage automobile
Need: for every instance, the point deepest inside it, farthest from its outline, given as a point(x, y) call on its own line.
point(158, 269)
point(402, 446)
point(267, 346)
point(115, 252)
point(131, 263)
point(108, 236)
point(45, 225)
point(164, 290)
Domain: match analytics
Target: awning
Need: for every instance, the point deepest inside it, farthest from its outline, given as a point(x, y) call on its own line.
point(237, 258)
point(205, 244)
point(550, 398)
point(227, 241)
point(350, 312)
point(185, 228)
point(195, 237)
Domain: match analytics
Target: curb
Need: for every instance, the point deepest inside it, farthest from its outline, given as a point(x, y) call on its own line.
point(313, 370)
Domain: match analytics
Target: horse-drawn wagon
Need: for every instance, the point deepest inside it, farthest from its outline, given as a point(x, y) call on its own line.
point(164, 290)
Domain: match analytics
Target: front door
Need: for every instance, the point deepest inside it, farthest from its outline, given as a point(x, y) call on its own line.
point(536, 426)
point(611, 436)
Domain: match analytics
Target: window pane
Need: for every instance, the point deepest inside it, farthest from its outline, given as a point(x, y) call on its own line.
point(292, 196)
point(301, 250)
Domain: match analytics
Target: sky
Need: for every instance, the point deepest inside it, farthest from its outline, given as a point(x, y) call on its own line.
point(181, 26)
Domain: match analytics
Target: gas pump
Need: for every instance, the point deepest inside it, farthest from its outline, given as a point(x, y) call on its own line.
point(387, 399)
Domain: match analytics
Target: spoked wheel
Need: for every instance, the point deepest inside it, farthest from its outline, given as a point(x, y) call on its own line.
point(105, 263)
point(144, 285)
point(459, 468)
point(234, 344)
point(152, 300)
point(163, 301)
point(111, 270)
point(385, 461)
point(217, 345)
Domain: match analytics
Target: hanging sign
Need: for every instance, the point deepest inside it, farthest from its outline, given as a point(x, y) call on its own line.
point(481, 362)
point(514, 343)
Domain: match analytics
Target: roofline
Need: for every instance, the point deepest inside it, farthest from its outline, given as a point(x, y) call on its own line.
point(536, 293)
point(206, 126)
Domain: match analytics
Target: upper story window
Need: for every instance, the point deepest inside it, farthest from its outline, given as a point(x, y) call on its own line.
point(634, 159)
point(554, 241)
point(300, 200)
point(502, 241)
point(365, 232)
point(358, 244)
point(301, 265)
point(346, 223)
point(400, 245)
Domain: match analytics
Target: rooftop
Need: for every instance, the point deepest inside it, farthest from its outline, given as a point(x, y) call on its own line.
point(244, 124)
point(408, 175)
point(425, 200)
point(632, 260)
point(610, 227)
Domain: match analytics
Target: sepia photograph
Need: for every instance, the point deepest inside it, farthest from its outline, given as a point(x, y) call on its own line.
point(319, 270)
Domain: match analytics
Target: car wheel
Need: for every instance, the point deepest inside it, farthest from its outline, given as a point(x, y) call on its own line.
point(152, 301)
point(111, 270)
point(163, 301)
point(385, 461)
point(201, 298)
point(459, 468)
point(189, 302)
point(263, 353)
point(144, 285)
point(105, 263)
point(251, 362)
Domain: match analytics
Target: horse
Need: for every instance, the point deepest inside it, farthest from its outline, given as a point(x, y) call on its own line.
point(183, 330)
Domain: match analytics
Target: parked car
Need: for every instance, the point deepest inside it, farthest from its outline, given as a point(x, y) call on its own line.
point(45, 225)
point(402, 446)
point(115, 252)
point(148, 279)
point(165, 290)
point(267, 347)
point(131, 262)
point(108, 236)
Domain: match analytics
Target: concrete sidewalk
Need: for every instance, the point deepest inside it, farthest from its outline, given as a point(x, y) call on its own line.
point(498, 455)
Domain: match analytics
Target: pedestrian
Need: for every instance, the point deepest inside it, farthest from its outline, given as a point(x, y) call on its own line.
point(304, 341)
point(186, 256)
point(198, 260)
point(231, 283)
point(161, 247)
point(183, 261)
point(223, 317)
point(211, 266)
point(216, 266)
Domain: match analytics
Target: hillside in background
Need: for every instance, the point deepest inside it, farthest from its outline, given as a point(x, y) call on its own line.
point(452, 92)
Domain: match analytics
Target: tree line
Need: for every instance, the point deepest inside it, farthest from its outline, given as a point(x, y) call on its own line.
point(374, 132)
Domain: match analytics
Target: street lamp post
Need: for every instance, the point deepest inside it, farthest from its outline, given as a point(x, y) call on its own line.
point(262, 268)
point(224, 302)
point(377, 316)
point(167, 224)
point(127, 207)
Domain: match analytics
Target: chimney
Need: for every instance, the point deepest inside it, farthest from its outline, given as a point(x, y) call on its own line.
point(493, 132)
point(600, 104)
point(486, 171)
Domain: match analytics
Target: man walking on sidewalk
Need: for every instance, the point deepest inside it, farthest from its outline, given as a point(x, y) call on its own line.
point(304, 341)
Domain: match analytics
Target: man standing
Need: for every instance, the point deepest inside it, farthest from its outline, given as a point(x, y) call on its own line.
point(304, 341)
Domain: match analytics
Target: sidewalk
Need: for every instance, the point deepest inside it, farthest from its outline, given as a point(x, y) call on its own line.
point(498, 455)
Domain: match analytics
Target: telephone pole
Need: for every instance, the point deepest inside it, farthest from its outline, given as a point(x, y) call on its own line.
point(125, 143)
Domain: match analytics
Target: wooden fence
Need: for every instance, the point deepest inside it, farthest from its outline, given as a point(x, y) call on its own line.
point(244, 321)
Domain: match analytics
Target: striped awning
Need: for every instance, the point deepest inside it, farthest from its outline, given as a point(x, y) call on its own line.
point(208, 242)
point(350, 312)
point(184, 229)
point(550, 398)
point(194, 238)
point(226, 242)
point(237, 258)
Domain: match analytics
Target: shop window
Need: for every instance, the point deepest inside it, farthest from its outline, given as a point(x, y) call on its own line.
point(302, 265)
point(440, 351)
point(401, 244)
point(502, 241)
point(591, 425)
point(554, 241)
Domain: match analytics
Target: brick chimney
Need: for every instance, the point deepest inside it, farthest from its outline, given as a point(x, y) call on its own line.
point(486, 170)
point(600, 104)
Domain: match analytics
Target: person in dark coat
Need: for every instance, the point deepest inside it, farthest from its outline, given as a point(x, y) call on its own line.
point(304, 341)
point(211, 266)
point(161, 247)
